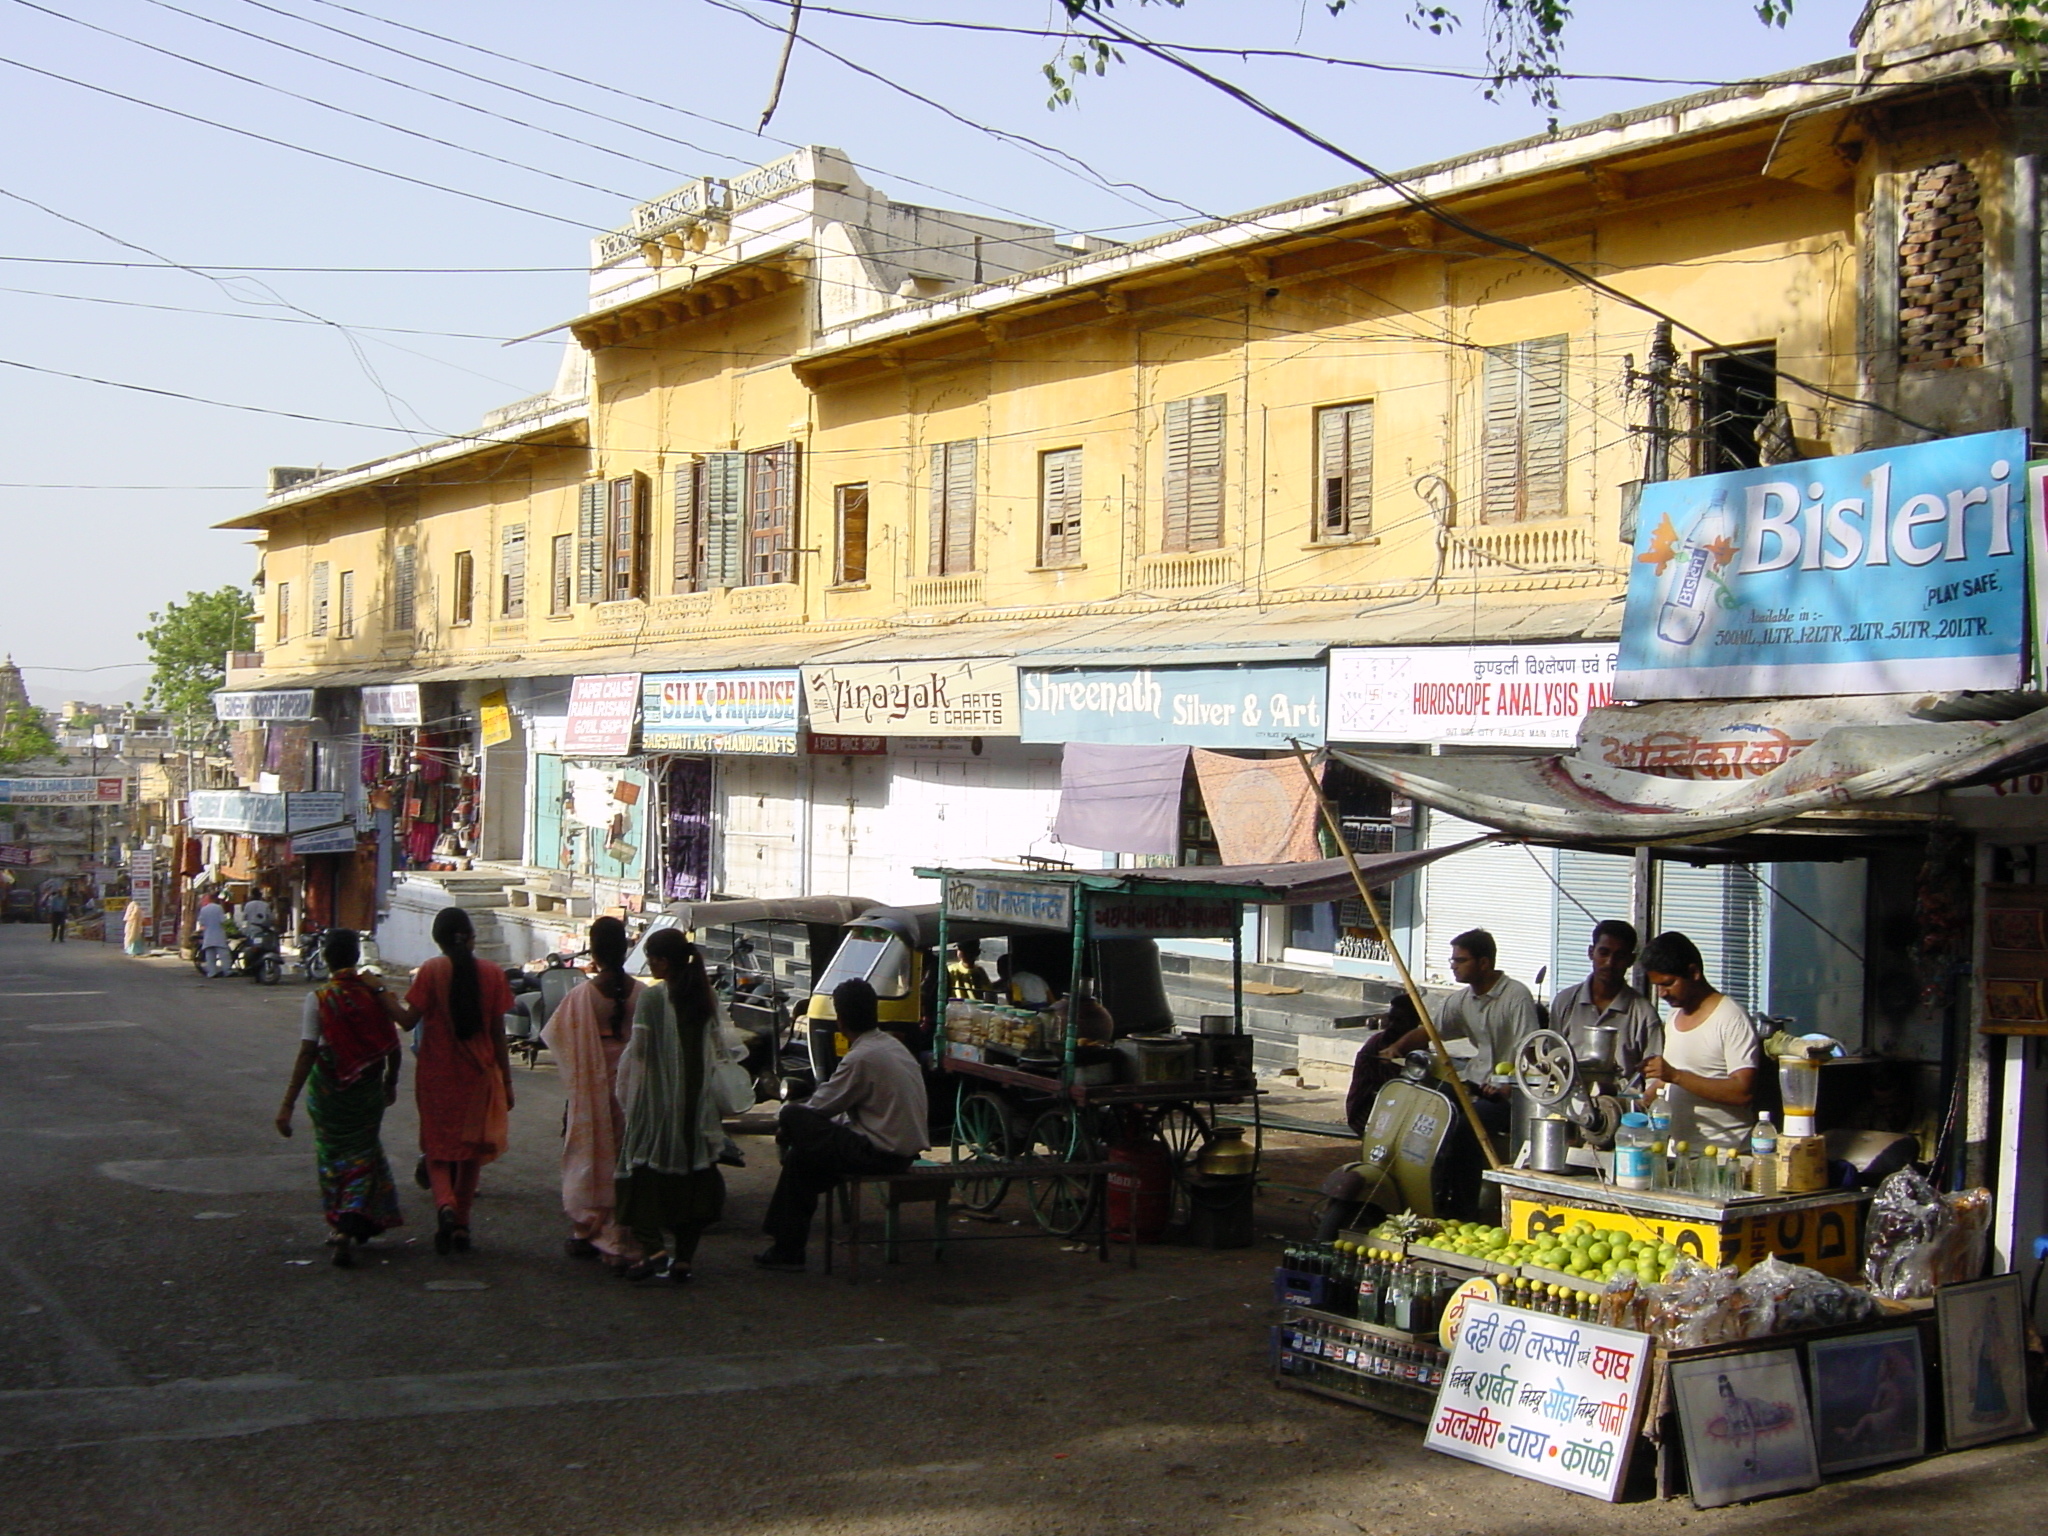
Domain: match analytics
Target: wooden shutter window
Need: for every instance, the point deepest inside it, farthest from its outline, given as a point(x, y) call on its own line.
point(590, 542)
point(850, 511)
point(345, 621)
point(1344, 455)
point(626, 539)
point(1193, 490)
point(1522, 447)
point(512, 571)
point(465, 587)
point(723, 519)
point(952, 508)
point(1059, 507)
point(320, 580)
point(561, 572)
point(771, 514)
point(686, 552)
point(284, 610)
point(404, 584)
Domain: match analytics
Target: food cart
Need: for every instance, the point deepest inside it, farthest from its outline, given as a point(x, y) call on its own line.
point(1037, 1085)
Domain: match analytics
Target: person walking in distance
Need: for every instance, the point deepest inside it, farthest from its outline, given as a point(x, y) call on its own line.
point(669, 1186)
point(348, 1052)
point(213, 936)
point(588, 1033)
point(869, 1116)
point(463, 1080)
point(56, 909)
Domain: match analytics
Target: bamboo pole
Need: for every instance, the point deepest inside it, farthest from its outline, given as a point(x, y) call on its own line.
point(1379, 924)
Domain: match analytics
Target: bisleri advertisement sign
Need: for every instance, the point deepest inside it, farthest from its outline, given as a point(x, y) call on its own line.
point(1893, 571)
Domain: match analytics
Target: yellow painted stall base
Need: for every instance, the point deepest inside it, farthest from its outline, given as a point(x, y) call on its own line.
point(1820, 1237)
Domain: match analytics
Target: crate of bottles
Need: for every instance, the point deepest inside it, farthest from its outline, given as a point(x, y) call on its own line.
point(1382, 1286)
point(1357, 1362)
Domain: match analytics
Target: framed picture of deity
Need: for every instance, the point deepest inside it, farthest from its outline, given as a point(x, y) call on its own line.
point(1747, 1434)
point(1983, 1361)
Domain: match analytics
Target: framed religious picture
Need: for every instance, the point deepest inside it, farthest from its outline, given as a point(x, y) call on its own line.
point(1869, 1400)
point(1983, 1361)
point(1746, 1429)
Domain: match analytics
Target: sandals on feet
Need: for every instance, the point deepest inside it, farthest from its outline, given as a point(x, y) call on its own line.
point(339, 1252)
point(579, 1248)
point(444, 1231)
point(647, 1268)
point(460, 1238)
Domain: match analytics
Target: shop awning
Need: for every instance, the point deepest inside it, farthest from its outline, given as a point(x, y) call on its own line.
point(1682, 773)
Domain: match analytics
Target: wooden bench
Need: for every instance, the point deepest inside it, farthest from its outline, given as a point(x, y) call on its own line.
point(932, 1184)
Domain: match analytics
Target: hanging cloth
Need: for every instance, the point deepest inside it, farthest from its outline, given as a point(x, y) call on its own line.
point(1120, 799)
point(1263, 809)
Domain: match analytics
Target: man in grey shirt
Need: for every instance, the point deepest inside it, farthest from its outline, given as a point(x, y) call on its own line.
point(1492, 1010)
point(1605, 997)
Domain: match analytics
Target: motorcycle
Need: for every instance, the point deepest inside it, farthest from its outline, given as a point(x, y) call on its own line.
point(258, 955)
point(312, 963)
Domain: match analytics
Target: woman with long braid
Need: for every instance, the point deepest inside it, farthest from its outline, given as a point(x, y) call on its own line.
point(587, 1033)
point(463, 1079)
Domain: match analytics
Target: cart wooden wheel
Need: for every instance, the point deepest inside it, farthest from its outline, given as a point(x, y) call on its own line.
point(1062, 1202)
point(984, 1131)
point(1186, 1132)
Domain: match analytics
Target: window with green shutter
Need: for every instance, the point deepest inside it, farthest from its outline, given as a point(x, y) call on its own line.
point(404, 585)
point(512, 571)
point(590, 521)
point(320, 584)
point(1059, 507)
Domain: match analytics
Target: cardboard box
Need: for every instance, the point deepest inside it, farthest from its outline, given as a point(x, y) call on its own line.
point(1802, 1164)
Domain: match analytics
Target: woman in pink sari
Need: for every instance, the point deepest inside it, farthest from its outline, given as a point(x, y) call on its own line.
point(587, 1032)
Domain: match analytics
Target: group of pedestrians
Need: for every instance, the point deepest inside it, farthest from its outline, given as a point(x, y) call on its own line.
point(255, 915)
point(649, 1073)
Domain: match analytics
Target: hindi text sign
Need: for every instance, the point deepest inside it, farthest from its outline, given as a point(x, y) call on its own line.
point(1542, 1397)
point(602, 714)
point(1026, 903)
point(1499, 695)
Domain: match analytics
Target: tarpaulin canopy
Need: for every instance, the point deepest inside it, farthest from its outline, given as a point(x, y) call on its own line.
point(1689, 772)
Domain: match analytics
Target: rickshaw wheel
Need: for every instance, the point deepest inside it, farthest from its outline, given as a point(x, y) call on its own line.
point(983, 1131)
point(1062, 1202)
point(1186, 1133)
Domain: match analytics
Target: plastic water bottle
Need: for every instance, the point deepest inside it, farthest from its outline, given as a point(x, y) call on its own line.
point(1763, 1145)
point(1632, 1153)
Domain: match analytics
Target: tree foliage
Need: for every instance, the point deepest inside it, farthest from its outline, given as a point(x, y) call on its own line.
point(25, 737)
point(188, 646)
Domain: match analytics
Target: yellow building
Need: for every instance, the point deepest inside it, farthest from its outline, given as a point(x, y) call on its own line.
point(801, 425)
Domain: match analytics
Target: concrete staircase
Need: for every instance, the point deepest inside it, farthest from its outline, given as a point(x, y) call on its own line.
point(1324, 1021)
point(405, 935)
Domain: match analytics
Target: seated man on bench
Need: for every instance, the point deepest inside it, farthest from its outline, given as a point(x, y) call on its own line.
point(868, 1117)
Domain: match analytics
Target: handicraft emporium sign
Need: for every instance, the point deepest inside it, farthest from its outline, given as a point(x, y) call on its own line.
point(1543, 1398)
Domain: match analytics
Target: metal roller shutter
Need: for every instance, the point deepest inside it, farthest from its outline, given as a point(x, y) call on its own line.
point(1601, 883)
point(1503, 889)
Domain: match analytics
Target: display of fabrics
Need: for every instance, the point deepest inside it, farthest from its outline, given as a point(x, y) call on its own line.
point(1263, 810)
point(1120, 799)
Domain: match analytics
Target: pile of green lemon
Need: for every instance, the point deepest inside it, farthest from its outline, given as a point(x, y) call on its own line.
point(1600, 1253)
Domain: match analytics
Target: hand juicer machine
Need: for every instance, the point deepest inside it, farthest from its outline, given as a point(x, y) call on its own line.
point(1567, 1093)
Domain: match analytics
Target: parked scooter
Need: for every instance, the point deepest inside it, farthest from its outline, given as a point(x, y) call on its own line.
point(311, 963)
point(258, 955)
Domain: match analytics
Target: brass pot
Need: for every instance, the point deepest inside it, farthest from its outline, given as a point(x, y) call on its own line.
point(1226, 1155)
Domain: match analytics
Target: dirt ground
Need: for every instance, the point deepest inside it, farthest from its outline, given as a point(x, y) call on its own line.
point(170, 1361)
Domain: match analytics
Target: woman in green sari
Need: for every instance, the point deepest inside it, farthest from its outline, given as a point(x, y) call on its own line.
point(348, 1051)
point(669, 1187)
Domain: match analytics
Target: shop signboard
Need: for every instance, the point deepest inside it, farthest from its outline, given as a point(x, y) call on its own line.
point(494, 718)
point(749, 713)
point(1821, 1234)
point(19, 854)
point(271, 704)
point(314, 810)
point(602, 714)
point(1252, 705)
point(1162, 917)
point(1899, 570)
point(237, 810)
point(341, 839)
point(393, 704)
point(82, 791)
point(1027, 903)
point(846, 746)
point(913, 698)
point(1543, 1397)
point(1491, 695)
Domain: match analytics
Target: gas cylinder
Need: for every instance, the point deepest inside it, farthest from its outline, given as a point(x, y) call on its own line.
point(1140, 1189)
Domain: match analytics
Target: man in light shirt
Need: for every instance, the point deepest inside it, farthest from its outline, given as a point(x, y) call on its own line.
point(869, 1116)
point(213, 936)
point(1493, 1011)
point(1606, 998)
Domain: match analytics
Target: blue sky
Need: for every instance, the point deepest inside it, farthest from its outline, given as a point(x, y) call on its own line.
point(89, 558)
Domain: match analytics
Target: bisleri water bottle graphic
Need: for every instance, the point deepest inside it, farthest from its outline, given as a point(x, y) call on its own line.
point(1691, 568)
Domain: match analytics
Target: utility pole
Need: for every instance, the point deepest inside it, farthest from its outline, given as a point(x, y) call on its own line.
point(1658, 382)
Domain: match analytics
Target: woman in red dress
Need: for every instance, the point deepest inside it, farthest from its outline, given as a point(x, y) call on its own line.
point(463, 1079)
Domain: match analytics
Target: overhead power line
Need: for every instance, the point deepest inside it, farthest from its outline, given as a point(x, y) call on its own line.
point(301, 149)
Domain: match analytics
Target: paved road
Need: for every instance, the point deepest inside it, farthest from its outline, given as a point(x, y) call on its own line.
point(176, 1356)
